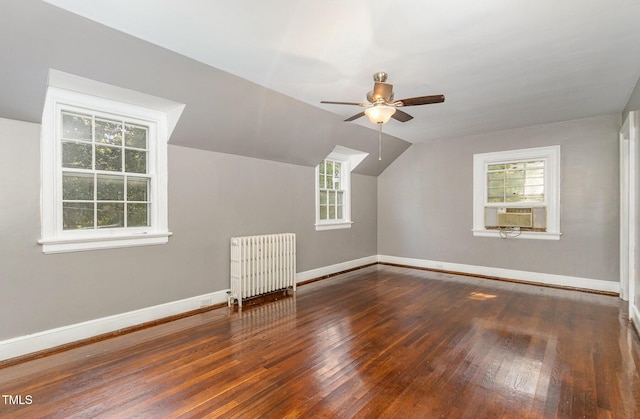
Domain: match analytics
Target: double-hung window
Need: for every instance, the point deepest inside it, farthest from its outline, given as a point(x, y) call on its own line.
point(333, 191)
point(104, 173)
point(517, 193)
point(106, 181)
point(333, 188)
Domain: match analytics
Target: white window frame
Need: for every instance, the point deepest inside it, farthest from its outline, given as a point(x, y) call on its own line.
point(56, 240)
point(345, 184)
point(349, 159)
point(551, 157)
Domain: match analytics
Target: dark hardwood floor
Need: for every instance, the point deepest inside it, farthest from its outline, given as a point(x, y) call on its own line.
point(382, 341)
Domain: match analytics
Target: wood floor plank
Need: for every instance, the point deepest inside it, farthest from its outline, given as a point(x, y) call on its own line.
point(383, 341)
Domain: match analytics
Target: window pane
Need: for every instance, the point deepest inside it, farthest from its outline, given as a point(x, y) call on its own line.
point(135, 161)
point(329, 170)
point(321, 168)
point(340, 197)
point(322, 182)
point(76, 127)
point(496, 167)
point(108, 158)
point(514, 183)
point(137, 215)
point(512, 166)
point(496, 184)
point(539, 163)
point(110, 215)
point(514, 191)
point(77, 215)
point(77, 187)
point(495, 176)
point(495, 199)
point(514, 174)
point(323, 197)
point(135, 136)
point(332, 197)
point(339, 209)
point(534, 189)
point(323, 212)
point(535, 173)
point(76, 155)
point(332, 212)
point(534, 181)
point(534, 192)
point(110, 188)
point(137, 189)
point(108, 132)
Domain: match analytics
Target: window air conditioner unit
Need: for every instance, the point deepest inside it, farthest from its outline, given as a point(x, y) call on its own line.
point(532, 218)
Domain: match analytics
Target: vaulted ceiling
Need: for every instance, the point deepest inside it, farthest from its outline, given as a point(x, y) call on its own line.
point(252, 73)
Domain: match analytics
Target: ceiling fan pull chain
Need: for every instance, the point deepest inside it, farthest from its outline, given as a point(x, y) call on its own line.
point(379, 141)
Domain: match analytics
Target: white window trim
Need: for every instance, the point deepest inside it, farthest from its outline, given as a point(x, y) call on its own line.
point(349, 158)
point(345, 182)
point(54, 239)
point(551, 156)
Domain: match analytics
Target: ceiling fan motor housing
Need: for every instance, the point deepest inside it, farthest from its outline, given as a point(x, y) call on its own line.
point(380, 76)
point(374, 97)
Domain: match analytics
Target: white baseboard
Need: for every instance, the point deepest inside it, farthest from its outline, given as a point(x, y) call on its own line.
point(541, 278)
point(635, 317)
point(332, 269)
point(47, 339)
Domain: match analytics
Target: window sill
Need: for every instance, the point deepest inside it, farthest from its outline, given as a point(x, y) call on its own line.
point(97, 243)
point(536, 235)
point(333, 226)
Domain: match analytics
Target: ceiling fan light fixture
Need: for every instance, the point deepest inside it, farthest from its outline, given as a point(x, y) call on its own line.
point(380, 114)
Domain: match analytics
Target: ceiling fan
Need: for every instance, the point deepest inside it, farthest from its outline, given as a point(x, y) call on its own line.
point(382, 107)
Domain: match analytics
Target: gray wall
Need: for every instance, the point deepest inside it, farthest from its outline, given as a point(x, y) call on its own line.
point(425, 202)
point(634, 101)
point(212, 197)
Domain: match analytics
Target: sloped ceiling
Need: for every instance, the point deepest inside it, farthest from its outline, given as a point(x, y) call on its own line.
point(223, 112)
point(252, 73)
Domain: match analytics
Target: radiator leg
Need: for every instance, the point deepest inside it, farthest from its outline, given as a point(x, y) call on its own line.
point(231, 298)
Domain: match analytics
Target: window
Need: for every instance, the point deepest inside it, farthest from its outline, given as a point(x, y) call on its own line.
point(106, 181)
point(104, 173)
point(333, 188)
point(332, 191)
point(515, 182)
point(518, 182)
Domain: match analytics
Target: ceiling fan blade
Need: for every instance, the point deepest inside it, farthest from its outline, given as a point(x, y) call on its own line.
point(343, 103)
point(382, 90)
point(401, 116)
point(421, 100)
point(354, 117)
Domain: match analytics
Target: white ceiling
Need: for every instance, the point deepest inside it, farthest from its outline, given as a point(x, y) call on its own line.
point(500, 63)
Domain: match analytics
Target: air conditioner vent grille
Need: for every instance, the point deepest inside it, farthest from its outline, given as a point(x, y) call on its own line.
point(515, 219)
point(518, 210)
